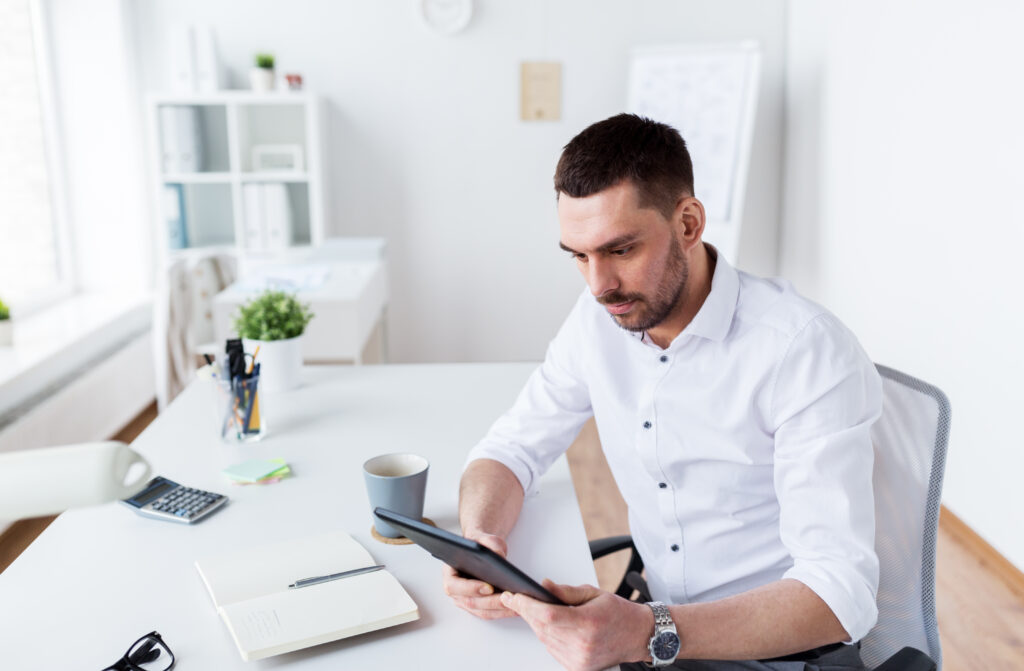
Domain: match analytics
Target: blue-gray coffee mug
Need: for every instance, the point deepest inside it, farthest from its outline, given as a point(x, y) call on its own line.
point(397, 482)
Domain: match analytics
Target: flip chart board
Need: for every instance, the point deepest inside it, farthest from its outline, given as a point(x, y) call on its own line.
point(709, 94)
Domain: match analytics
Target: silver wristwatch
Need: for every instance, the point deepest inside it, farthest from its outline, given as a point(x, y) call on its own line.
point(664, 645)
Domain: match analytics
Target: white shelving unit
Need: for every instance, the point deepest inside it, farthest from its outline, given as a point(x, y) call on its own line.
point(202, 207)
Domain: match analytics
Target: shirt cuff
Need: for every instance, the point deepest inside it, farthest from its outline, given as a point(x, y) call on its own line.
point(520, 469)
point(856, 613)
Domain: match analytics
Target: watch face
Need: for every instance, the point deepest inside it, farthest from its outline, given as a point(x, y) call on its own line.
point(665, 645)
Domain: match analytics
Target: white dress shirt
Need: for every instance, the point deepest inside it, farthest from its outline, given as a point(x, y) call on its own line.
point(742, 449)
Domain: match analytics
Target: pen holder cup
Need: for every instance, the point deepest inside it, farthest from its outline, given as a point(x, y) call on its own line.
point(241, 412)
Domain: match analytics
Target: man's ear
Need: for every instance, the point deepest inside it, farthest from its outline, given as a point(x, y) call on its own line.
point(688, 219)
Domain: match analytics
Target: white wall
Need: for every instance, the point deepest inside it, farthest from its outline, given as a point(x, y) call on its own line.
point(427, 149)
point(904, 213)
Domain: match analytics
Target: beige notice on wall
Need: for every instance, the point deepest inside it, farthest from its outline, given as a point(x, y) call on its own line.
point(540, 91)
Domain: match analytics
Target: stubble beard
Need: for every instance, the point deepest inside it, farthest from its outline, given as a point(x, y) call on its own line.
point(648, 312)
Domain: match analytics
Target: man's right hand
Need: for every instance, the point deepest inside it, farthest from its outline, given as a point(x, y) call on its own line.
point(476, 596)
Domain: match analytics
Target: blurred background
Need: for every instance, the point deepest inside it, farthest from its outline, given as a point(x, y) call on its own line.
point(881, 175)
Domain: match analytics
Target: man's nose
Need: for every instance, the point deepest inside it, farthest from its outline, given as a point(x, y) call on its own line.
point(601, 277)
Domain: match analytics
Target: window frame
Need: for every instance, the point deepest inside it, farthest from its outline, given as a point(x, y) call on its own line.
point(54, 151)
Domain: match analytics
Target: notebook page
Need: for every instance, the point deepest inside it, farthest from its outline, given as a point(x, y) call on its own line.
point(252, 572)
point(298, 618)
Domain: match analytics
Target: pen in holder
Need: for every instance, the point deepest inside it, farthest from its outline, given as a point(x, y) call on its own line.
point(243, 414)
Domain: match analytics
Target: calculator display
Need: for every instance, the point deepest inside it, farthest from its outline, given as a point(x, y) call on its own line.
point(155, 492)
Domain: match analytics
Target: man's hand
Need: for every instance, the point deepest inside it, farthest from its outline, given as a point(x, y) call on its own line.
point(597, 630)
point(475, 596)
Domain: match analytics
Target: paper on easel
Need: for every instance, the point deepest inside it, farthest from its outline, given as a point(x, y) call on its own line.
point(250, 591)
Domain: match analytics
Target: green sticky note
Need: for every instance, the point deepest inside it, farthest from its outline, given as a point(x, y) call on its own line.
point(255, 470)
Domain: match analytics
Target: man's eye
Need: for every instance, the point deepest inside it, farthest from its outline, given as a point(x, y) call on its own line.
point(580, 257)
point(620, 252)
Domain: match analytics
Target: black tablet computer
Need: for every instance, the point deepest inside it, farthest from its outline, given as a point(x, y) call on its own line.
point(468, 557)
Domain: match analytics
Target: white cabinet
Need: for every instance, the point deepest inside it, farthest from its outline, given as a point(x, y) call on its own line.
point(238, 171)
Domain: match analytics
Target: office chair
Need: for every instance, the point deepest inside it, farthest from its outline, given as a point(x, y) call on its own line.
point(183, 319)
point(910, 440)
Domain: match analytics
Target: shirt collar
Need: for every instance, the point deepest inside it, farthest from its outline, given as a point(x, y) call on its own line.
point(714, 319)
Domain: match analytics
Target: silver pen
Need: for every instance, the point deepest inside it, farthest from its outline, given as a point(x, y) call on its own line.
point(306, 582)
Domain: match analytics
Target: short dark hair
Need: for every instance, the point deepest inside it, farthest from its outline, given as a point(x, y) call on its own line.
point(650, 154)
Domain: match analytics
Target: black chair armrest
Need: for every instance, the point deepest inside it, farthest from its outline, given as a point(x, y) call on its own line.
point(605, 546)
point(908, 659)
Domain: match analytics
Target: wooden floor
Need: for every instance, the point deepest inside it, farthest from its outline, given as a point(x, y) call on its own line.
point(980, 594)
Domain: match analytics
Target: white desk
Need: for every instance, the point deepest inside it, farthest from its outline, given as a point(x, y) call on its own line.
point(98, 578)
point(348, 306)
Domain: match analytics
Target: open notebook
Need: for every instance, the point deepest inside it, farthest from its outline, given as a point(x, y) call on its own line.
point(249, 588)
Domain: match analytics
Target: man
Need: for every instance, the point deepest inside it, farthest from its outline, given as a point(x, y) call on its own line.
point(734, 415)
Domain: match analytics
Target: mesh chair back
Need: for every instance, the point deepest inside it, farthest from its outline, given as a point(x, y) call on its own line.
point(910, 442)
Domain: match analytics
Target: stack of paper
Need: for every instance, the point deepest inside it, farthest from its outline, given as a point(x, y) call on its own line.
point(258, 471)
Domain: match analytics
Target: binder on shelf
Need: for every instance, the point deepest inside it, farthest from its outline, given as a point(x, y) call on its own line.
point(277, 221)
point(174, 213)
point(268, 217)
point(207, 59)
point(189, 149)
point(252, 198)
point(182, 58)
point(180, 149)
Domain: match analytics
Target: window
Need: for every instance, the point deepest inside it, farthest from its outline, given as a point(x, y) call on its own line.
point(33, 257)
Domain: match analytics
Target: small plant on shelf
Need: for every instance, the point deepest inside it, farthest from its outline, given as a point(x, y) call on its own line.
point(6, 332)
point(261, 77)
point(273, 315)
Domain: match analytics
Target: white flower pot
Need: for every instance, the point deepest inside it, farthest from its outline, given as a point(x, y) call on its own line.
point(280, 362)
point(6, 332)
point(261, 79)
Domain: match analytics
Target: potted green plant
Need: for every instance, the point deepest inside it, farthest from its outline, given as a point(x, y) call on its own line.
point(6, 330)
point(261, 77)
point(274, 321)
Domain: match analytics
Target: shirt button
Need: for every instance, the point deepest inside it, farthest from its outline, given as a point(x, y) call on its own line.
point(647, 425)
point(664, 359)
point(675, 548)
point(662, 485)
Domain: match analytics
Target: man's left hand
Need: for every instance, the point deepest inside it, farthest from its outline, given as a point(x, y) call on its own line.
point(597, 630)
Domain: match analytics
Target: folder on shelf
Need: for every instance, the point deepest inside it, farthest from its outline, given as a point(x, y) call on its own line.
point(277, 216)
point(174, 211)
point(268, 216)
point(249, 588)
point(180, 149)
point(207, 60)
point(252, 197)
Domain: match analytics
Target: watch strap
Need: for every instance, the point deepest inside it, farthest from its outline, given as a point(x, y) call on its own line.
point(662, 615)
point(663, 622)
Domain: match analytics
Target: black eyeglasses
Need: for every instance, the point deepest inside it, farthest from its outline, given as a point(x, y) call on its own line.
point(149, 653)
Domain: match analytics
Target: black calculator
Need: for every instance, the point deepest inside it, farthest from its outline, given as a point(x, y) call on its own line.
point(167, 500)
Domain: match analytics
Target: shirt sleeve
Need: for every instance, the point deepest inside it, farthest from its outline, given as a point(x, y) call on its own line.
point(548, 413)
point(827, 395)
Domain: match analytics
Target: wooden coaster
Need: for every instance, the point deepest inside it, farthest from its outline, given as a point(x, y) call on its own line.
point(401, 540)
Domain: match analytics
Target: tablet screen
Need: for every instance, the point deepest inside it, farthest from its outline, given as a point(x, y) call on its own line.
point(468, 557)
